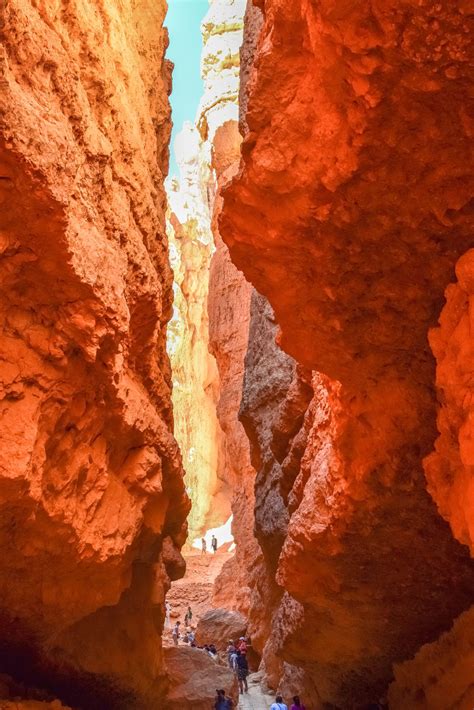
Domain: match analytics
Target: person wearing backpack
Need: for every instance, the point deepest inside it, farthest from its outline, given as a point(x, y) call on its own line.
point(278, 704)
point(297, 704)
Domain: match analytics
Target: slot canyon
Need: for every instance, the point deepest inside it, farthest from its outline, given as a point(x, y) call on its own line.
point(273, 344)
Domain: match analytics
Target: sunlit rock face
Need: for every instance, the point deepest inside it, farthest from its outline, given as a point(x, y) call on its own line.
point(195, 376)
point(222, 31)
point(229, 305)
point(92, 501)
point(209, 331)
point(351, 226)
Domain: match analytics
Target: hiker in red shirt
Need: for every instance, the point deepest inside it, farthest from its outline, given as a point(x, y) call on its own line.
point(242, 645)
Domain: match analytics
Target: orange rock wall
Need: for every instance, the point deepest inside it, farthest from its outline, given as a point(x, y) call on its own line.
point(440, 676)
point(92, 503)
point(450, 467)
point(229, 310)
point(348, 214)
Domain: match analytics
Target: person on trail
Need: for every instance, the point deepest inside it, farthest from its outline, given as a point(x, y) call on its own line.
point(242, 669)
point(188, 617)
point(212, 651)
point(297, 704)
point(242, 645)
point(233, 660)
point(278, 704)
point(214, 544)
point(203, 546)
point(230, 650)
point(175, 633)
point(223, 702)
point(167, 615)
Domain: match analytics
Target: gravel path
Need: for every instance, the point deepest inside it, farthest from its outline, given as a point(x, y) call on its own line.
point(255, 699)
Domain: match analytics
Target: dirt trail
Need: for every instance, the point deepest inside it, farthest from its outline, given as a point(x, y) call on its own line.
point(255, 699)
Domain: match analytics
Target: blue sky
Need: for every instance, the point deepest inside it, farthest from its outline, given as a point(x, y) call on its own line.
point(183, 21)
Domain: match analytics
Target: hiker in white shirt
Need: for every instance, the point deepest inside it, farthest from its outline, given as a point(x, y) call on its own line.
point(278, 704)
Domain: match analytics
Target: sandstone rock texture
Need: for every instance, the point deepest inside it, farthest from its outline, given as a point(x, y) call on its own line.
point(194, 678)
point(229, 313)
point(196, 589)
point(92, 501)
point(440, 676)
point(218, 626)
point(201, 151)
point(195, 375)
point(349, 213)
point(211, 290)
point(450, 467)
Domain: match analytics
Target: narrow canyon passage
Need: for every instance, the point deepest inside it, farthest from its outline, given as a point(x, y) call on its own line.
point(254, 327)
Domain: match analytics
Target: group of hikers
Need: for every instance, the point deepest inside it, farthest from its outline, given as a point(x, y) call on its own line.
point(188, 636)
point(214, 544)
point(236, 653)
point(237, 660)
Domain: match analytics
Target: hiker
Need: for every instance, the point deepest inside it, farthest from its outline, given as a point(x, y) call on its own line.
point(278, 704)
point(231, 651)
point(242, 645)
point(214, 544)
point(297, 704)
point(175, 633)
point(203, 546)
point(188, 617)
point(242, 668)
point(167, 615)
point(223, 702)
point(212, 651)
point(233, 660)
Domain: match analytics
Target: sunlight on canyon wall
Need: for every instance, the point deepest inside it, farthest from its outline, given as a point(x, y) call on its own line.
point(196, 380)
point(195, 376)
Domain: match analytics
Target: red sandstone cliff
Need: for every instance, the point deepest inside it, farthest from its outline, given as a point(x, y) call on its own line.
point(229, 310)
point(92, 504)
point(349, 213)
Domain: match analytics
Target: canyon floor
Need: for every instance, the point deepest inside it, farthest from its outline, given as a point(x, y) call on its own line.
point(195, 589)
point(255, 699)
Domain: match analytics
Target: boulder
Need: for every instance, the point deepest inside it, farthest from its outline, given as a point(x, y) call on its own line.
point(194, 677)
point(217, 626)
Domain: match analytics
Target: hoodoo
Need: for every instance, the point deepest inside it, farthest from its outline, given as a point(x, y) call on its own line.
point(281, 332)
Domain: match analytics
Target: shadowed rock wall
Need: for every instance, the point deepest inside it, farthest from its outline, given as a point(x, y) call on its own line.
point(92, 503)
point(348, 214)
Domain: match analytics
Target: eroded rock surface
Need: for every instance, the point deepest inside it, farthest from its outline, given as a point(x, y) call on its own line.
point(450, 467)
point(92, 503)
point(194, 678)
point(195, 375)
point(218, 626)
point(440, 676)
point(351, 225)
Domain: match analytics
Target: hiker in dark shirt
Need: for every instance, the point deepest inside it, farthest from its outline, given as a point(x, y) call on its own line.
point(223, 702)
point(242, 670)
